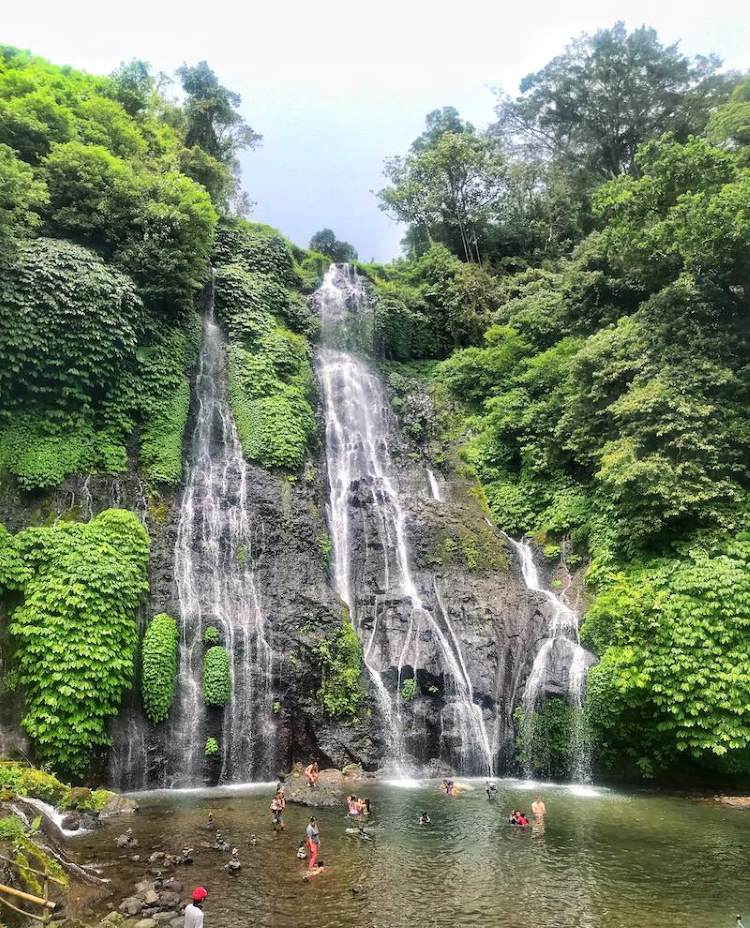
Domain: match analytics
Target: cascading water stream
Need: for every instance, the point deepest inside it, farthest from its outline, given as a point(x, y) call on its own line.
point(359, 465)
point(561, 644)
point(215, 585)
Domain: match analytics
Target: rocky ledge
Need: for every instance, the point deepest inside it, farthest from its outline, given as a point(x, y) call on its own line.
point(333, 786)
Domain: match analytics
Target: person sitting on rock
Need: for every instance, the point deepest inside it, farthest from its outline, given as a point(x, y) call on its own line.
point(194, 911)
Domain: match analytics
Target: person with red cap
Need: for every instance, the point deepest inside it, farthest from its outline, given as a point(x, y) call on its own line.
point(194, 911)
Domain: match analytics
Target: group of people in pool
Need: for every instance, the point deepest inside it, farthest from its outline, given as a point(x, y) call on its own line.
point(358, 807)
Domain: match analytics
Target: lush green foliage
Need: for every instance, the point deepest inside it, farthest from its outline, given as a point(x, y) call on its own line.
point(211, 748)
point(520, 192)
point(341, 691)
point(159, 671)
point(216, 678)
point(271, 383)
point(593, 105)
point(74, 631)
point(675, 673)
point(110, 164)
point(104, 177)
point(326, 243)
point(161, 395)
point(68, 323)
point(211, 635)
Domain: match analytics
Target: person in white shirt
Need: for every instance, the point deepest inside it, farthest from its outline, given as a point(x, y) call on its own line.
point(194, 911)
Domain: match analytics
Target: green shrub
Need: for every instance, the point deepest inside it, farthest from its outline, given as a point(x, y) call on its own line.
point(409, 689)
point(256, 248)
point(341, 686)
point(211, 748)
point(674, 680)
point(162, 394)
point(75, 632)
point(216, 677)
point(68, 323)
point(159, 666)
point(211, 635)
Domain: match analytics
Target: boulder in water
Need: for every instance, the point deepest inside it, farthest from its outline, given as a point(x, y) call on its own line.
point(330, 791)
point(118, 805)
point(132, 906)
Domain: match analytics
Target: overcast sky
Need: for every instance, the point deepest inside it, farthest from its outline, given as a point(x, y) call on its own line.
point(336, 87)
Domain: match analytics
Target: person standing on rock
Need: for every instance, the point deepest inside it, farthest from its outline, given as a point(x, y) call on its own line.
point(194, 911)
point(312, 835)
point(312, 772)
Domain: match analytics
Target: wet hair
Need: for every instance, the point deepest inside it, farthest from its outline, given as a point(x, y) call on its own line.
point(312, 818)
point(320, 865)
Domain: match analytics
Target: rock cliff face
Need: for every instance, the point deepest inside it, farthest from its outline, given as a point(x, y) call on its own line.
point(462, 569)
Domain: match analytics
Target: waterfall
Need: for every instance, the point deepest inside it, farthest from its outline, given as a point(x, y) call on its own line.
point(562, 646)
point(215, 585)
point(362, 477)
point(434, 487)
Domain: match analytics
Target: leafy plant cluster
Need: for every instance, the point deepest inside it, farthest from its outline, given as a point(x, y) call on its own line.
point(211, 748)
point(673, 685)
point(341, 692)
point(74, 630)
point(159, 671)
point(271, 383)
point(216, 676)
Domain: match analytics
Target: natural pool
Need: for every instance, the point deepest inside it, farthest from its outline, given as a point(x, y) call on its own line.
point(604, 858)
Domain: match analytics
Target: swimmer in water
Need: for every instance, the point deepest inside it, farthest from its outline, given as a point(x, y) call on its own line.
point(424, 819)
point(314, 871)
point(491, 790)
point(539, 809)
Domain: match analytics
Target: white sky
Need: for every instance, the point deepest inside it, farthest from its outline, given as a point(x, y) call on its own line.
point(336, 87)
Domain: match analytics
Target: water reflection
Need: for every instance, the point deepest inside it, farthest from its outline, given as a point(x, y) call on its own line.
point(601, 858)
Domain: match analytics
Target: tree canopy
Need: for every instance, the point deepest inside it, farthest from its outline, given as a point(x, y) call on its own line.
point(327, 244)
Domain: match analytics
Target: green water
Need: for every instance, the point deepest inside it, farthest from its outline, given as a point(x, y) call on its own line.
point(604, 858)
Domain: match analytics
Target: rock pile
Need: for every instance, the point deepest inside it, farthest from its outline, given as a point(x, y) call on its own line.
point(155, 903)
